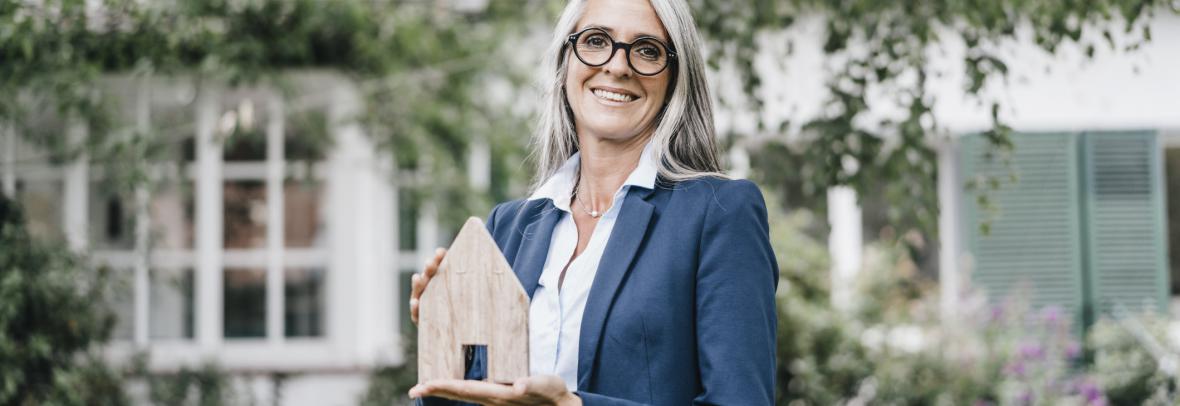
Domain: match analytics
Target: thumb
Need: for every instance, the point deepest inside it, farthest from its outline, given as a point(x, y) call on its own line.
point(522, 386)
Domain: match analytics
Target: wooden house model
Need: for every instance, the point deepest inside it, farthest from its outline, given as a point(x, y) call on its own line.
point(474, 300)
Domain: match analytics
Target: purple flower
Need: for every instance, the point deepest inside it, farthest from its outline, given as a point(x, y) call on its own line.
point(1015, 369)
point(1092, 393)
point(997, 313)
point(1026, 398)
point(1052, 315)
point(1031, 351)
point(1073, 350)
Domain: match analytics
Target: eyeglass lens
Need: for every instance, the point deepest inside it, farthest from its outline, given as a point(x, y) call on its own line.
point(647, 56)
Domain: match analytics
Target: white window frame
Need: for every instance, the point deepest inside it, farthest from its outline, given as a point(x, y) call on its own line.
point(358, 188)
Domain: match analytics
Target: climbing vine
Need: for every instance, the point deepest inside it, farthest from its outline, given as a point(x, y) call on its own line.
point(427, 68)
point(872, 45)
point(421, 65)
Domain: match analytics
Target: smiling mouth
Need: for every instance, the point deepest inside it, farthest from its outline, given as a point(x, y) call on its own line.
point(613, 96)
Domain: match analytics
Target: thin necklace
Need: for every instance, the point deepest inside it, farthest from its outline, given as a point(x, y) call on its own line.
point(578, 192)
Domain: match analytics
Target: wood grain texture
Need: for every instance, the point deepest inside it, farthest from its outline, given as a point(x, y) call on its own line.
point(474, 299)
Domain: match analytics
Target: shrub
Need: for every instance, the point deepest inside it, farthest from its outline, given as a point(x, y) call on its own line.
point(1123, 367)
point(390, 385)
point(50, 325)
point(206, 385)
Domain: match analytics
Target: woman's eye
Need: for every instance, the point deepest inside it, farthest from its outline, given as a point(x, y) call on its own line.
point(649, 52)
point(596, 42)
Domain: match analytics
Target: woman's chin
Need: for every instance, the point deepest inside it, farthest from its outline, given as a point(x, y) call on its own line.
point(613, 132)
point(615, 127)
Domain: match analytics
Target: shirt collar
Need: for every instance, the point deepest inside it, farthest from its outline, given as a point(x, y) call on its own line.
point(560, 186)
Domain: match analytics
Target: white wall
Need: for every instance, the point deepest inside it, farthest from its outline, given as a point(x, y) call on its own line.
point(1115, 89)
point(1065, 92)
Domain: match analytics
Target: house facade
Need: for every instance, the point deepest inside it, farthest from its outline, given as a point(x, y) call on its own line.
point(276, 242)
point(286, 261)
point(1077, 214)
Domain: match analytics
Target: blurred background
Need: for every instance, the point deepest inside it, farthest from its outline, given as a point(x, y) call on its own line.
point(221, 201)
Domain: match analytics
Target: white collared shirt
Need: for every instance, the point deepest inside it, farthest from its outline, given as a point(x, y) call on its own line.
point(555, 316)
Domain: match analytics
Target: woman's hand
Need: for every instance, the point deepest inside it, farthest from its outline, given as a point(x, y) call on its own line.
point(419, 280)
point(531, 390)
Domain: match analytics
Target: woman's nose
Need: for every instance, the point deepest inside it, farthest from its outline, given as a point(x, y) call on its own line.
point(618, 63)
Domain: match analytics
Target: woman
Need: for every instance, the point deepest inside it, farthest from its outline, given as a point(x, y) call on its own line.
point(650, 275)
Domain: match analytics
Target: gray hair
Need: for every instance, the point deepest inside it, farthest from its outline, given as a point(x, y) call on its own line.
point(684, 139)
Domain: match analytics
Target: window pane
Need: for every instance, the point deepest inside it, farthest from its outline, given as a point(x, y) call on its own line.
point(171, 211)
point(245, 302)
point(41, 201)
point(245, 214)
point(122, 302)
point(403, 306)
point(171, 310)
point(302, 211)
point(307, 137)
point(407, 220)
point(246, 145)
point(1172, 185)
point(243, 121)
point(175, 126)
point(304, 302)
point(112, 218)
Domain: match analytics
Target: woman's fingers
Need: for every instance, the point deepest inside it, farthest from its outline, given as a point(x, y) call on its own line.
point(432, 265)
point(419, 280)
point(486, 393)
point(531, 390)
point(429, 269)
point(547, 387)
point(417, 284)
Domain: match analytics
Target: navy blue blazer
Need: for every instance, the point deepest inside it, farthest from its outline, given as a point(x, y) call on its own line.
point(682, 308)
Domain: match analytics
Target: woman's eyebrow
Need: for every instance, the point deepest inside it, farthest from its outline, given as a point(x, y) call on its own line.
point(611, 31)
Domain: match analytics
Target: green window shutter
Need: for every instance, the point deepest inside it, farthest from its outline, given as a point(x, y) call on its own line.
point(1034, 240)
point(1125, 222)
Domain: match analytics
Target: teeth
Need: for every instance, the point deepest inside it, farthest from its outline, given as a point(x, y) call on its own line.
point(619, 97)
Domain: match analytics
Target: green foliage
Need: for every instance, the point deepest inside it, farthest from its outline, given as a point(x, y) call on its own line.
point(875, 46)
point(1008, 353)
point(889, 287)
point(207, 385)
point(457, 81)
point(1125, 369)
point(429, 72)
point(893, 348)
point(390, 385)
point(820, 358)
point(802, 258)
point(50, 323)
point(424, 70)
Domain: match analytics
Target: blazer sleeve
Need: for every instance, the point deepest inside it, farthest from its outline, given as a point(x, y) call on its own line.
point(490, 222)
point(736, 314)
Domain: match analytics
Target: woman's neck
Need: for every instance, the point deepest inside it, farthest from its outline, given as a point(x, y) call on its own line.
point(605, 165)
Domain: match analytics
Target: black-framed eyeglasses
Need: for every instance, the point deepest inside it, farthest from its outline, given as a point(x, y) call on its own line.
point(647, 56)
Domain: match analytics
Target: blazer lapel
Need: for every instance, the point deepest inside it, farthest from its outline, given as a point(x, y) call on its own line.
point(534, 247)
point(629, 232)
